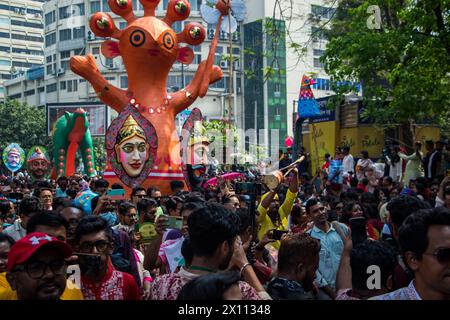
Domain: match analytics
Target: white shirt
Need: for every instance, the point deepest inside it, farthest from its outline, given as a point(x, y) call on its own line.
point(348, 164)
point(16, 231)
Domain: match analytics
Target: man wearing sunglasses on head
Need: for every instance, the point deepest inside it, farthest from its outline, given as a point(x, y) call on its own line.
point(424, 239)
point(37, 268)
point(99, 279)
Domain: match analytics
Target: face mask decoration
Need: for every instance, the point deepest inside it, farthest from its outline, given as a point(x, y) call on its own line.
point(13, 157)
point(38, 163)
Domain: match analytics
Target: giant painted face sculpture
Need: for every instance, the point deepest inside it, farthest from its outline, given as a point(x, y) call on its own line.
point(38, 163)
point(132, 148)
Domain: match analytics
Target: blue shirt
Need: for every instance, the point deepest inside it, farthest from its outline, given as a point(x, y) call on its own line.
point(331, 247)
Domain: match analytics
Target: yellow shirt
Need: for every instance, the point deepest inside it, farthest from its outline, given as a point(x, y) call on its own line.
point(284, 211)
point(7, 293)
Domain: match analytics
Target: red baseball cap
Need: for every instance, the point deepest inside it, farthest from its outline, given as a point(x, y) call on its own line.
point(26, 247)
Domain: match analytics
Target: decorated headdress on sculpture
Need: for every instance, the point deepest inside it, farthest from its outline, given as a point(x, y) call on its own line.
point(37, 154)
point(130, 129)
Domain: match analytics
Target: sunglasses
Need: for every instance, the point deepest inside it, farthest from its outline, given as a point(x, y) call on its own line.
point(442, 255)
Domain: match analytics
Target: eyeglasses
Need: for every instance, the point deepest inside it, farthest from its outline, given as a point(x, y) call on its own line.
point(140, 196)
point(101, 246)
point(442, 255)
point(37, 269)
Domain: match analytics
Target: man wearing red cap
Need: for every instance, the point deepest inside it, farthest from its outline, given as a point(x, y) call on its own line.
point(37, 268)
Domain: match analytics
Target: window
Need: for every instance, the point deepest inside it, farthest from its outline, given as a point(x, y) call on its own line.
point(78, 33)
point(318, 33)
point(75, 85)
point(122, 25)
point(322, 12)
point(96, 50)
point(5, 62)
point(62, 85)
point(15, 96)
point(318, 53)
point(41, 89)
point(50, 39)
point(105, 6)
point(27, 51)
point(65, 34)
point(64, 12)
point(65, 65)
point(318, 63)
point(48, 59)
point(30, 38)
point(69, 86)
point(6, 76)
point(109, 63)
point(29, 93)
point(110, 79)
point(195, 5)
point(177, 26)
point(33, 11)
point(26, 24)
point(65, 54)
point(4, 35)
point(95, 6)
point(49, 69)
point(4, 20)
point(23, 64)
point(51, 88)
point(124, 82)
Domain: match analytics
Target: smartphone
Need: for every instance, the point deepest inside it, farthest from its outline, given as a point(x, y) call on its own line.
point(116, 194)
point(277, 234)
point(358, 226)
point(175, 222)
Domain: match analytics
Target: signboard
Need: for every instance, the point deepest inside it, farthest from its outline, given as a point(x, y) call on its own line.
point(325, 113)
point(96, 111)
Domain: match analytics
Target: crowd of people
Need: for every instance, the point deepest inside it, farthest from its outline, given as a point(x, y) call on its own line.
point(377, 234)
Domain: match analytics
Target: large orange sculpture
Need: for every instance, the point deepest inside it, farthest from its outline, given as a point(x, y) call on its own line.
point(149, 47)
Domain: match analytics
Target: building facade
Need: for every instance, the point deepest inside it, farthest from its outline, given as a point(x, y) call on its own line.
point(21, 38)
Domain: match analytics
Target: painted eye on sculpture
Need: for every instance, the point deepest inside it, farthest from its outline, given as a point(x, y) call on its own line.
point(168, 41)
point(137, 38)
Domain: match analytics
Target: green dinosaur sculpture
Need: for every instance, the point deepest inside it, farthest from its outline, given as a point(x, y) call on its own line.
point(71, 133)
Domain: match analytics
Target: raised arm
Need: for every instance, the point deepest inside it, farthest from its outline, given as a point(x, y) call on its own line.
point(86, 67)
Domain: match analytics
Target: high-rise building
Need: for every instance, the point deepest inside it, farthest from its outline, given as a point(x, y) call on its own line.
point(21, 38)
point(67, 34)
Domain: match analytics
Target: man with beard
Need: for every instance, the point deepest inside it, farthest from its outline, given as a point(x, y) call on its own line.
point(272, 215)
point(72, 215)
point(222, 249)
point(36, 267)
point(38, 164)
point(99, 279)
point(331, 238)
point(298, 260)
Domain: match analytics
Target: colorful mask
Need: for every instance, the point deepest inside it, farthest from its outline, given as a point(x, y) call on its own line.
point(38, 162)
point(13, 157)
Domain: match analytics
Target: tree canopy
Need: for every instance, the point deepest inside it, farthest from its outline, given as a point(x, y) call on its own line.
point(404, 59)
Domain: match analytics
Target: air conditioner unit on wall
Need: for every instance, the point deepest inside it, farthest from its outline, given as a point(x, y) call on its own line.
point(61, 71)
point(224, 64)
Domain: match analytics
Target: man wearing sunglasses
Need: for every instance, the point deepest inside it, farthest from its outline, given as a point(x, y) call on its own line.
point(99, 279)
point(36, 267)
point(424, 239)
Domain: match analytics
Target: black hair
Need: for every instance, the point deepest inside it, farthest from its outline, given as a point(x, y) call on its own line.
point(187, 251)
point(4, 207)
point(191, 206)
point(227, 198)
point(101, 183)
point(244, 218)
point(194, 197)
point(215, 223)
point(151, 189)
point(209, 287)
point(62, 178)
point(311, 202)
point(413, 233)
point(401, 207)
point(92, 224)
point(346, 148)
point(136, 190)
point(46, 218)
point(347, 211)
point(369, 253)
point(60, 202)
point(94, 202)
point(389, 179)
point(211, 195)
point(365, 154)
point(124, 207)
point(29, 205)
point(145, 203)
point(6, 238)
point(117, 186)
point(176, 184)
point(39, 190)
